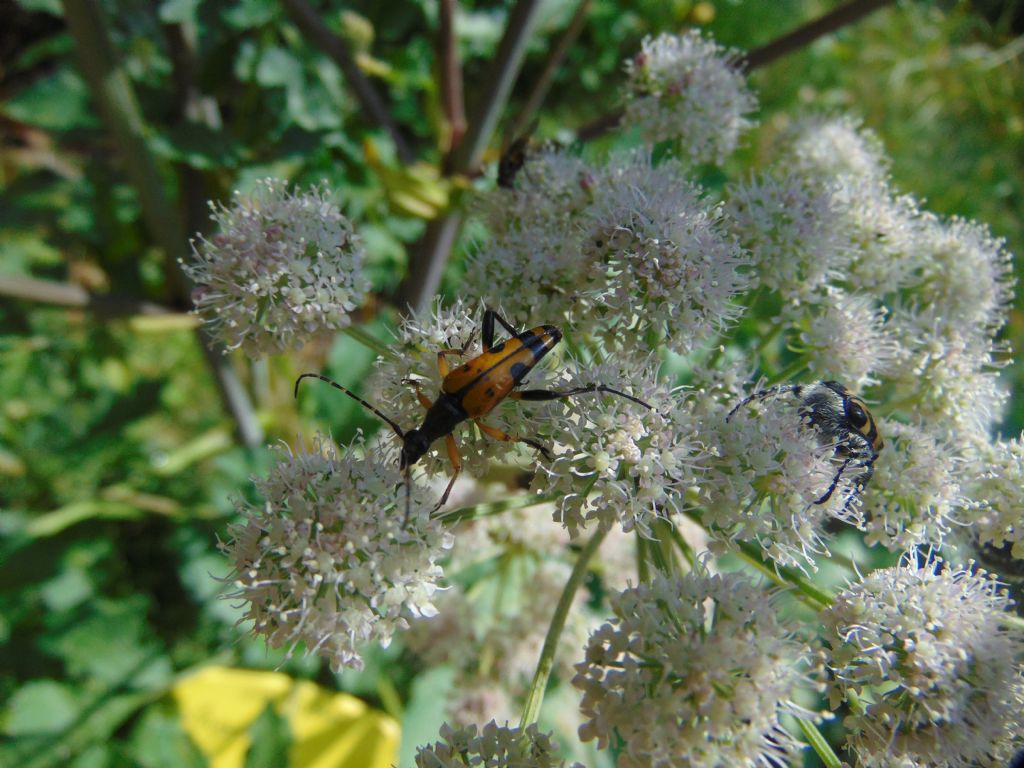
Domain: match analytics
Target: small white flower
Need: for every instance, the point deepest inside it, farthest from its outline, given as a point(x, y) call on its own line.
point(531, 262)
point(915, 494)
point(688, 88)
point(492, 747)
point(771, 465)
point(967, 275)
point(693, 670)
point(999, 491)
point(618, 461)
point(935, 671)
point(884, 230)
point(658, 255)
point(326, 561)
point(282, 268)
point(846, 339)
point(823, 146)
point(791, 227)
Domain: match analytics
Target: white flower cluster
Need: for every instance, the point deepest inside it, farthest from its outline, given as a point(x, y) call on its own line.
point(282, 267)
point(694, 670)
point(999, 489)
point(325, 559)
point(916, 492)
point(492, 746)
point(618, 461)
point(645, 259)
point(689, 89)
point(933, 673)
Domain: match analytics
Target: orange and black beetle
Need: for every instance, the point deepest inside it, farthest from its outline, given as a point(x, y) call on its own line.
point(473, 389)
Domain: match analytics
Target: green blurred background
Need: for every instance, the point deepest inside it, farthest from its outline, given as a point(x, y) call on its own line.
point(118, 459)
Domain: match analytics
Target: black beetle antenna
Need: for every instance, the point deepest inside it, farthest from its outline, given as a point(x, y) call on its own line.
point(354, 396)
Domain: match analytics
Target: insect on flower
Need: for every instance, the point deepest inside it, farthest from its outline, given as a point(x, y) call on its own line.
point(473, 390)
point(842, 420)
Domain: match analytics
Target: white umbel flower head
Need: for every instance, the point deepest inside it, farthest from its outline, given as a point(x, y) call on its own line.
point(325, 560)
point(771, 466)
point(824, 146)
point(915, 494)
point(282, 267)
point(967, 275)
point(617, 461)
point(935, 669)
point(999, 491)
point(693, 670)
point(660, 254)
point(688, 88)
point(531, 262)
point(845, 339)
point(492, 746)
point(796, 236)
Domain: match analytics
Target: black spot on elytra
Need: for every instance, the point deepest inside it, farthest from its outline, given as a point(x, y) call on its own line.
point(490, 391)
point(497, 347)
point(518, 370)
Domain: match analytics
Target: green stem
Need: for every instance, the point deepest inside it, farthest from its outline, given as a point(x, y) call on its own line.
point(683, 545)
point(819, 744)
point(370, 342)
point(547, 655)
point(1010, 620)
point(789, 371)
point(487, 509)
point(807, 591)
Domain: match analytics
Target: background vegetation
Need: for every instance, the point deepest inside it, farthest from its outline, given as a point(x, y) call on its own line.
point(118, 454)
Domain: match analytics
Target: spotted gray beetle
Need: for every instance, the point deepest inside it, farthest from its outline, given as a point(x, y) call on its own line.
point(842, 420)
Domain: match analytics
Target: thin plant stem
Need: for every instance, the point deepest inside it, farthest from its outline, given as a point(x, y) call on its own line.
point(357, 333)
point(451, 78)
point(71, 295)
point(428, 257)
point(115, 98)
point(804, 35)
point(819, 744)
point(308, 21)
point(805, 590)
point(488, 509)
point(547, 75)
point(535, 697)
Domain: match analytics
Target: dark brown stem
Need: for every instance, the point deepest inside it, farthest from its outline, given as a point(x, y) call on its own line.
point(71, 295)
point(451, 78)
point(803, 36)
point(309, 22)
point(118, 107)
point(428, 256)
point(543, 84)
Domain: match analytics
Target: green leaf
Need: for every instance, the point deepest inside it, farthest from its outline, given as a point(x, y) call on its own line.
point(246, 14)
point(59, 102)
point(178, 11)
point(41, 706)
point(271, 740)
point(196, 145)
point(112, 646)
point(423, 715)
point(159, 741)
point(279, 67)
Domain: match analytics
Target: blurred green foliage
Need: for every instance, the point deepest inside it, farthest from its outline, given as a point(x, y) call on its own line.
point(117, 459)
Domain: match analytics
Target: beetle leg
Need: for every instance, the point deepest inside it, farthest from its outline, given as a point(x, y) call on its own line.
point(505, 437)
point(425, 401)
point(456, 460)
point(550, 394)
point(489, 317)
